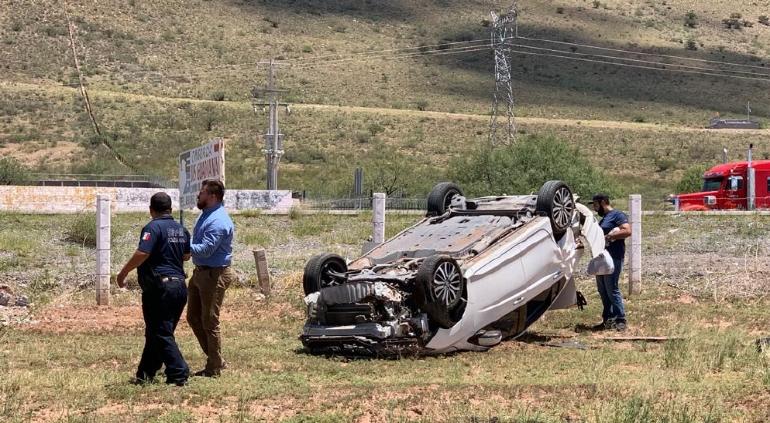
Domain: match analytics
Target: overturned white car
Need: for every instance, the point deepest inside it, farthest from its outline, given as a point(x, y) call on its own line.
point(472, 273)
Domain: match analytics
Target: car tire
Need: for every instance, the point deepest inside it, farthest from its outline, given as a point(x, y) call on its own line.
point(440, 198)
point(318, 271)
point(440, 289)
point(555, 201)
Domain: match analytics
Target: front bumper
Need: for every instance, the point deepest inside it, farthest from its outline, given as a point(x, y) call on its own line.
point(369, 338)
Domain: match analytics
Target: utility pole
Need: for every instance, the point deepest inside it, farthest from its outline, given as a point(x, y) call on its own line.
point(269, 96)
point(504, 27)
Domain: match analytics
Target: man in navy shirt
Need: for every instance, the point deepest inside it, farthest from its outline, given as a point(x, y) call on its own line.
point(212, 253)
point(616, 229)
point(164, 245)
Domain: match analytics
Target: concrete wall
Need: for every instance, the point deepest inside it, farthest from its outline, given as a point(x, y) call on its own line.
point(39, 199)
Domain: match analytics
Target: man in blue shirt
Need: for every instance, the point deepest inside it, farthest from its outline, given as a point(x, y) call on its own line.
point(212, 254)
point(163, 246)
point(616, 229)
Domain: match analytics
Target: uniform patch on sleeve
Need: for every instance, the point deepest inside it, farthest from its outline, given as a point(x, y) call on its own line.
point(146, 236)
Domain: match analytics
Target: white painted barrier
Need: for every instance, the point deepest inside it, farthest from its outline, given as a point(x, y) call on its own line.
point(40, 199)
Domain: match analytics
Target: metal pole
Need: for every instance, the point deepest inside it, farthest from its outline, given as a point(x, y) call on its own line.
point(378, 217)
point(103, 249)
point(751, 187)
point(635, 258)
point(750, 181)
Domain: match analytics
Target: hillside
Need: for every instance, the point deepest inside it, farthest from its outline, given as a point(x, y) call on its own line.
point(165, 76)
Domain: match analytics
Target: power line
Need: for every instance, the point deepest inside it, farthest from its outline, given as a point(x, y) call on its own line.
point(637, 60)
point(641, 53)
point(397, 56)
point(476, 43)
point(639, 66)
point(301, 60)
point(406, 53)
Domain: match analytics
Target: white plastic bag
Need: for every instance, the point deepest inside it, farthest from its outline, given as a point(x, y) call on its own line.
point(601, 265)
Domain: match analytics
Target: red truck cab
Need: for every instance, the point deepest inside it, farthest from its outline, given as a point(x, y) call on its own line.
point(725, 187)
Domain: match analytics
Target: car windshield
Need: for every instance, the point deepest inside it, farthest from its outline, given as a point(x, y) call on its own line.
point(712, 184)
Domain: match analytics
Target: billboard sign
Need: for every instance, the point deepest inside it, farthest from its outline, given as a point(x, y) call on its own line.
point(197, 165)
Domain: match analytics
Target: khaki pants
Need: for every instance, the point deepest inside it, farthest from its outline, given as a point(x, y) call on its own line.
point(206, 292)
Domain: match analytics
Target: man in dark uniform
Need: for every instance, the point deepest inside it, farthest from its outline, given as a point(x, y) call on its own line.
point(164, 245)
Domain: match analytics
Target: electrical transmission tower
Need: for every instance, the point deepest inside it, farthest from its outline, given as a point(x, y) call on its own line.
point(504, 27)
point(269, 96)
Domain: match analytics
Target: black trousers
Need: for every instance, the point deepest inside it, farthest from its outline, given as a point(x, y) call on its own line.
point(162, 305)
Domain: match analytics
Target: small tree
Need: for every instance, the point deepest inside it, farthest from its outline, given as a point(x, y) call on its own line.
point(525, 166)
point(12, 172)
point(734, 21)
point(692, 180)
point(691, 19)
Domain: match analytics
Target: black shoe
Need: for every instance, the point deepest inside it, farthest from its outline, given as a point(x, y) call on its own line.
point(600, 326)
point(620, 326)
point(205, 373)
point(180, 382)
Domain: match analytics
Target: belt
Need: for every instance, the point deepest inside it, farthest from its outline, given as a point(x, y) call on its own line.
point(166, 279)
point(202, 267)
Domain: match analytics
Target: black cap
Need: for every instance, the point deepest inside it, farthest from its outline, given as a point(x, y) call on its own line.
point(160, 202)
point(600, 197)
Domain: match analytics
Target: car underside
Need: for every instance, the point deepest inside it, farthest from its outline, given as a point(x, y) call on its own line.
point(471, 273)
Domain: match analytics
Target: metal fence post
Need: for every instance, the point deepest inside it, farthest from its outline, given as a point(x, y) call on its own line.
point(635, 259)
point(103, 259)
point(378, 217)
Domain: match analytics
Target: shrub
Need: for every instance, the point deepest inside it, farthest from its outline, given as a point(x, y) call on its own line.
point(692, 180)
point(218, 96)
point(422, 105)
point(560, 10)
point(525, 166)
point(764, 20)
point(363, 137)
point(691, 45)
point(295, 213)
point(733, 22)
point(12, 172)
point(691, 19)
point(596, 4)
point(82, 230)
point(375, 128)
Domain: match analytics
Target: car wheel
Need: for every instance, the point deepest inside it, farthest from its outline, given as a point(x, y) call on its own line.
point(440, 289)
point(323, 270)
point(440, 198)
point(555, 201)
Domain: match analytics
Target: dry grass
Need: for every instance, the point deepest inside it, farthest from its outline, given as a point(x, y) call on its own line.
point(72, 360)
